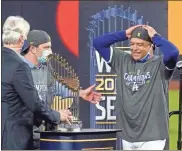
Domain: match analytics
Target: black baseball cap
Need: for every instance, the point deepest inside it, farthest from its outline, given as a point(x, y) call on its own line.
point(35, 38)
point(141, 33)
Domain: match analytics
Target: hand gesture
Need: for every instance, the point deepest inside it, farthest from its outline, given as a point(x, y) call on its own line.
point(151, 30)
point(66, 116)
point(89, 95)
point(129, 30)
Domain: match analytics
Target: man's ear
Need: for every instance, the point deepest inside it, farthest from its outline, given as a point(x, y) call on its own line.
point(33, 49)
point(21, 39)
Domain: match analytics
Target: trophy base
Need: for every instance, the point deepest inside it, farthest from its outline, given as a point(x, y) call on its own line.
point(75, 126)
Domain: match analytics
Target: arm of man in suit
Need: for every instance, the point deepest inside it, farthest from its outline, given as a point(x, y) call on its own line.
point(23, 84)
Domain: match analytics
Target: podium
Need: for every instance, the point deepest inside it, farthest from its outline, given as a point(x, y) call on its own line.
point(85, 139)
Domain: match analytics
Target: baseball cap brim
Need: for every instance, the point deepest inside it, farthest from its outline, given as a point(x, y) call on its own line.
point(25, 46)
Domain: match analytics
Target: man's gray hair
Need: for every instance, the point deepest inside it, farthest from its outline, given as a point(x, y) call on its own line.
point(13, 28)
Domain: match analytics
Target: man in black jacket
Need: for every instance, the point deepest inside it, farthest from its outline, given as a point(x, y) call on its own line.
point(19, 99)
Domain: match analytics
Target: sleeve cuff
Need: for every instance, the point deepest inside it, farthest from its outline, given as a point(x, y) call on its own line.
point(169, 68)
point(57, 117)
point(123, 35)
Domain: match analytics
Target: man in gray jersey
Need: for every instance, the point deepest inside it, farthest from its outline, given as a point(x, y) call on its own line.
point(35, 52)
point(142, 85)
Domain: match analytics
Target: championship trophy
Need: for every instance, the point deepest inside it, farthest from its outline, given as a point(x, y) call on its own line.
point(65, 83)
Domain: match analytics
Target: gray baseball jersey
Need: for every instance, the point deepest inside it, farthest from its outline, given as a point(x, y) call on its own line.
point(142, 97)
point(45, 85)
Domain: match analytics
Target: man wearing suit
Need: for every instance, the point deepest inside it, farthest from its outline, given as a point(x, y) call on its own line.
point(19, 99)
